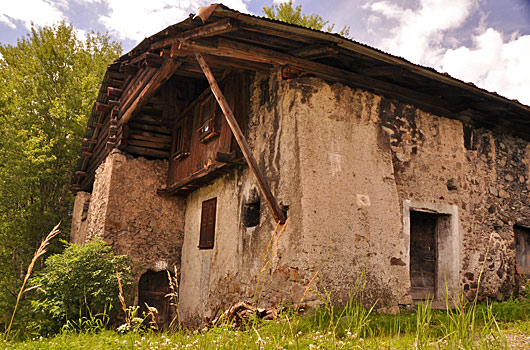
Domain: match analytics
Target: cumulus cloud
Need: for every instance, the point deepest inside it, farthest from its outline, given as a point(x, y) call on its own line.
point(136, 20)
point(493, 63)
point(126, 19)
point(419, 32)
point(39, 12)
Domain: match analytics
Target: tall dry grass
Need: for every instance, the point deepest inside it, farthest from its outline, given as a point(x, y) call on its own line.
point(173, 296)
point(268, 257)
point(128, 315)
point(40, 251)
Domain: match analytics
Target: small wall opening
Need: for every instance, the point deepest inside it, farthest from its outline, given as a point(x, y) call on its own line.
point(469, 137)
point(251, 213)
point(432, 239)
point(522, 249)
point(423, 255)
point(152, 289)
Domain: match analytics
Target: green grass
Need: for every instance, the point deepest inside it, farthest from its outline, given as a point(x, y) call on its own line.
point(483, 326)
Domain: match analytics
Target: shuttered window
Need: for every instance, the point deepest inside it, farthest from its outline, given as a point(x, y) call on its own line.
point(208, 224)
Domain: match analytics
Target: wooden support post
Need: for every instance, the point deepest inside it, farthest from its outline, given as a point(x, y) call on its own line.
point(238, 134)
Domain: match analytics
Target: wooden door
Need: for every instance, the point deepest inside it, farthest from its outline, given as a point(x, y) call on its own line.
point(522, 249)
point(423, 259)
point(152, 289)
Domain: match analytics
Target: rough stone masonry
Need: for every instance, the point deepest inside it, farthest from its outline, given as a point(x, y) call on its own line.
point(352, 168)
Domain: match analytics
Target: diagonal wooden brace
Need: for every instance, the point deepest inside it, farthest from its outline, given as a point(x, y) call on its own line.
point(277, 212)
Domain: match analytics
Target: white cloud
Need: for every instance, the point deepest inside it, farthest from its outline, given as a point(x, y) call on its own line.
point(419, 33)
point(39, 12)
point(139, 19)
point(494, 64)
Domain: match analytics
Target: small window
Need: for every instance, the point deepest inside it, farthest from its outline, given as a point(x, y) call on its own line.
point(181, 139)
point(251, 212)
point(207, 236)
point(209, 120)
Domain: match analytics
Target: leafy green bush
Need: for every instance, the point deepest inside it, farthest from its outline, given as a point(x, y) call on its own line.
point(81, 281)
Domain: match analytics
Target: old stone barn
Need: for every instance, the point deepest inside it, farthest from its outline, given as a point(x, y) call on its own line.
point(209, 133)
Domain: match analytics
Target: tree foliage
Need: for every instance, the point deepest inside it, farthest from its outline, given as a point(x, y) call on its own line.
point(78, 281)
point(285, 12)
point(48, 83)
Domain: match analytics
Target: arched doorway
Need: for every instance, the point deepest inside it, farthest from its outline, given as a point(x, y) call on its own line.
point(152, 289)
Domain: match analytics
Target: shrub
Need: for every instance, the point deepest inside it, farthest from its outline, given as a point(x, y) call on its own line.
point(80, 281)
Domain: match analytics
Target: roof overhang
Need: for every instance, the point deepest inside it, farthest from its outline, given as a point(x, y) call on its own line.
point(228, 39)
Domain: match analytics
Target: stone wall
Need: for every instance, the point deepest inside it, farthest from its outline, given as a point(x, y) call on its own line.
point(79, 229)
point(213, 279)
point(486, 178)
point(126, 212)
point(350, 165)
point(325, 162)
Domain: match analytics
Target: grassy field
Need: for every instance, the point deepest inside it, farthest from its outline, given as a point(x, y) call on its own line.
point(499, 325)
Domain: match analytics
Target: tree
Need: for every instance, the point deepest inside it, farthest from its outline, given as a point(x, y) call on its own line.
point(48, 83)
point(286, 13)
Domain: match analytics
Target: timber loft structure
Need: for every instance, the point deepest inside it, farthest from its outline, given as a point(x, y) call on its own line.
point(150, 98)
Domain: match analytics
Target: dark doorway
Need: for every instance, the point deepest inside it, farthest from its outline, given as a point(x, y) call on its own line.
point(522, 249)
point(423, 255)
point(152, 289)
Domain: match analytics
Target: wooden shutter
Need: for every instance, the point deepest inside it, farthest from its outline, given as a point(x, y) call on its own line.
point(207, 236)
point(181, 138)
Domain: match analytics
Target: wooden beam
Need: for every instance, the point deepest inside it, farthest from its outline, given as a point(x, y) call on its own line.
point(148, 144)
point(142, 125)
point(135, 87)
point(383, 71)
point(215, 28)
point(277, 212)
point(318, 50)
point(146, 152)
point(116, 75)
point(228, 48)
point(152, 59)
point(87, 140)
point(103, 107)
point(164, 72)
point(112, 91)
point(225, 62)
point(114, 103)
point(194, 179)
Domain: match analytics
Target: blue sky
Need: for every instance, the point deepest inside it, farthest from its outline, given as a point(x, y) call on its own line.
point(486, 42)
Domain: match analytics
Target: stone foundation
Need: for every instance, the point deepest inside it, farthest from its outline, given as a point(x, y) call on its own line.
point(127, 213)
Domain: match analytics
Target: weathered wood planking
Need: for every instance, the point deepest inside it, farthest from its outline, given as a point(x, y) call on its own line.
point(202, 155)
